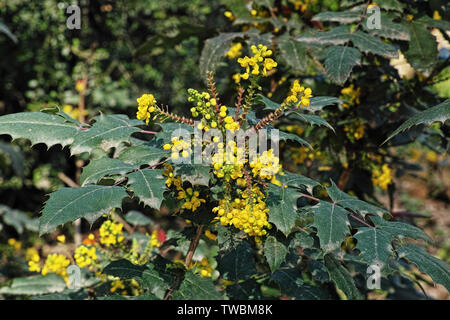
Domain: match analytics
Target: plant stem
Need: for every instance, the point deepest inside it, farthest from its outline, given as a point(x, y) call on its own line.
point(193, 245)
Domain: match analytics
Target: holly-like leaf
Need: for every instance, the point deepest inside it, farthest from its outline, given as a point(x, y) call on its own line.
point(148, 185)
point(38, 127)
point(339, 16)
point(440, 113)
point(143, 154)
point(375, 245)
point(236, 262)
point(332, 224)
point(124, 269)
point(69, 204)
point(335, 36)
point(214, 50)
point(35, 285)
point(284, 136)
point(194, 287)
point(389, 29)
point(438, 270)
point(97, 169)
point(400, 229)
point(196, 174)
point(422, 51)
point(311, 119)
point(302, 239)
point(275, 252)
point(291, 284)
point(318, 103)
point(370, 44)
point(391, 5)
point(246, 290)
point(282, 203)
point(342, 278)
point(344, 200)
point(340, 62)
point(297, 180)
point(294, 53)
point(109, 131)
point(269, 104)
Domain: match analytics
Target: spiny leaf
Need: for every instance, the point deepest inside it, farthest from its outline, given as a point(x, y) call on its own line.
point(282, 203)
point(344, 200)
point(148, 185)
point(194, 287)
point(375, 245)
point(38, 127)
point(400, 229)
point(391, 5)
point(97, 169)
point(290, 136)
point(236, 262)
point(339, 16)
point(440, 113)
point(269, 104)
point(367, 43)
point(214, 50)
point(438, 270)
point(389, 29)
point(291, 284)
point(318, 103)
point(342, 278)
point(332, 225)
point(275, 252)
point(35, 285)
point(196, 174)
point(297, 180)
point(137, 218)
point(311, 119)
point(422, 51)
point(69, 204)
point(335, 36)
point(294, 53)
point(109, 131)
point(143, 154)
point(340, 62)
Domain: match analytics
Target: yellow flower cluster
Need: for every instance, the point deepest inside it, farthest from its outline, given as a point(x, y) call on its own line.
point(259, 60)
point(354, 130)
point(229, 164)
point(267, 166)
point(301, 154)
point(382, 178)
point(32, 256)
point(229, 15)
point(204, 267)
point(235, 51)
point(248, 213)
point(111, 233)
point(118, 285)
point(210, 235)
point(176, 146)
point(351, 95)
point(147, 105)
point(191, 197)
point(56, 263)
point(300, 5)
point(154, 242)
point(85, 256)
point(299, 95)
point(17, 245)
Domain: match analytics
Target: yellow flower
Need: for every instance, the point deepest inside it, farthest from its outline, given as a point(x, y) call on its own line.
point(56, 263)
point(61, 238)
point(235, 51)
point(210, 235)
point(253, 65)
point(14, 243)
point(382, 178)
point(229, 15)
point(111, 233)
point(85, 256)
point(146, 105)
point(299, 95)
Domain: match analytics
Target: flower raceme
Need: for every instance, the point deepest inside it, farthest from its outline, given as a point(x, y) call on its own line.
point(299, 95)
point(383, 177)
point(258, 63)
point(111, 233)
point(147, 103)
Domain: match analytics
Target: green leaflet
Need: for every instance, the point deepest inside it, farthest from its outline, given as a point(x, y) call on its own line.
point(289, 136)
point(340, 62)
point(336, 36)
point(269, 104)
point(375, 245)
point(391, 5)
point(195, 287)
point(291, 284)
point(344, 200)
point(318, 103)
point(245, 290)
point(214, 50)
point(38, 127)
point(311, 119)
point(69, 204)
point(294, 53)
point(136, 218)
point(389, 29)
point(143, 154)
point(367, 43)
point(440, 113)
point(196, 174)
point(275, 252)
point(148, 185)
point(35, 285)
point(282, 203)
point(109, 131)
point(332, 225)
point(236, 262)
point(422, 51)
point(342, 278)
point(97, 169)
point(400, 229)
point(297, 180)
point(339, 16)
point(438, 270)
